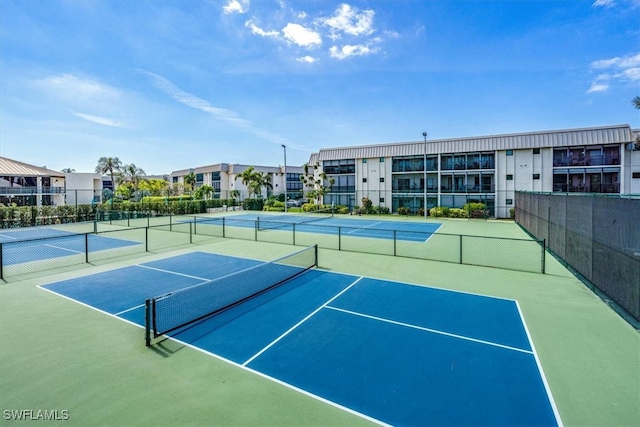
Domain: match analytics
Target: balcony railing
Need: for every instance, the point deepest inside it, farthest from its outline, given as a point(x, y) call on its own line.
point(586, 188)
point(31, 190)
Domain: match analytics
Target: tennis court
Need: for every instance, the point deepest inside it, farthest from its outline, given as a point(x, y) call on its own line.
point(328, 224)
point(390, 352)
point(38, 244)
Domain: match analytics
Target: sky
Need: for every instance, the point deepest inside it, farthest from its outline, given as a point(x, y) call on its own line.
point(172, 85)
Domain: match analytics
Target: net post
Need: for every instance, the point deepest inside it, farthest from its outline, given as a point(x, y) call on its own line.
point(191, 227)
point(195, 230)
point(128, 218)
point(147, 322)
point(315, 247)
point(339, 238)
point(223, 227)
point(86, 248)
point(1, 262)
point(294, 233)
point(146, 239)
point(170, 222)
point(95, 225)
point(461, 249)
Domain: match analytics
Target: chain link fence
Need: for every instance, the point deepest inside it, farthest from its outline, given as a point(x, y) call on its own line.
point(596, 235)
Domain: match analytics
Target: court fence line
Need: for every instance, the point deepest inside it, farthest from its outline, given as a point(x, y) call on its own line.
point(141, 235)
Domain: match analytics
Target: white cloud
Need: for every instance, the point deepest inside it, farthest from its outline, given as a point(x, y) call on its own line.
point(74, 87)
point(618, 69)
point(259, 31)
point(236, 6)
point(308, 59)
point(348, 50)
point(604, 3)
point(598, 87)
point(349, 20)
point(101, 120)
point(301, 36)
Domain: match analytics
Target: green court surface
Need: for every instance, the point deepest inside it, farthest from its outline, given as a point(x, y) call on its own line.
point(58, 355)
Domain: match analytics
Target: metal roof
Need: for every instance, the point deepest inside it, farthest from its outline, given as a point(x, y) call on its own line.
point(9, 167)
point(616, 134)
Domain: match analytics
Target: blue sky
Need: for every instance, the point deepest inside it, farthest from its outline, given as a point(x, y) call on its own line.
point(170, 85)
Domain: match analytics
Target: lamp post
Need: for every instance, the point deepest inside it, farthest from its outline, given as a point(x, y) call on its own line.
point(284, 147)
point(424, 166)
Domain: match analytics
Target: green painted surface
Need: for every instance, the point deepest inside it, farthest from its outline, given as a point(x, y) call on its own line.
point(56, 354)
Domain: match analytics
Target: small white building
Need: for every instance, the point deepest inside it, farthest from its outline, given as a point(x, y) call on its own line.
point(83, 188)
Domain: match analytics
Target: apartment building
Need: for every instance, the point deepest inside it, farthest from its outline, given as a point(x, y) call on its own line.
point(224, 178)
point(487, 169)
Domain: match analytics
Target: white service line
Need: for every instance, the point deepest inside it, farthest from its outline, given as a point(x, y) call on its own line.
point(173, 272)
point(301, 322)
point(435, 331)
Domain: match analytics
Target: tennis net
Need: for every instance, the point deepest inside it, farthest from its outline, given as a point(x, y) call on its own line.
point(174, 310)
point(285, 221)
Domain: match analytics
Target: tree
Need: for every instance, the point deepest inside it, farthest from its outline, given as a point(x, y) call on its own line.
point(154, 186)
point(68, 170)
point(317, 188)
point(204, 192)
point(131, 174)
point(190, 181)
point(109, 165)
point(636, 102)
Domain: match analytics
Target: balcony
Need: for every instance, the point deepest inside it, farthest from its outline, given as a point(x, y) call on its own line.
point(31, 190)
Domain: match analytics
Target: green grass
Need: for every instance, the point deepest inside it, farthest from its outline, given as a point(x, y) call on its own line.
point(57, 354)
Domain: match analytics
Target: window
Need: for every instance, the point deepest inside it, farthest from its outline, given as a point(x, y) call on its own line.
point(536, 176)
point(509, 177)
point(509, 152)
point(536, 151)
point(509, 201)
point(381, 199)
point(364, 179)
point(635, 175)
point(215, 176)
point(381, 179)
point(175, 179)
point(364, 160)
point(381, 159)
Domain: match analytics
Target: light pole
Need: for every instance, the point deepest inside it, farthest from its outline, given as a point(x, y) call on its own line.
point(284, 147)
point(424, 166)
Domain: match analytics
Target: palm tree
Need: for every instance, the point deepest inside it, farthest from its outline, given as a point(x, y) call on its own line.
point(636, 102)
point(109, 165)
point(190, 180)
point(248, 177)
point(68, 170)
point(131, 174)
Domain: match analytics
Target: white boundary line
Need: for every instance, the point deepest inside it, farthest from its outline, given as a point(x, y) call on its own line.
point(63, 249)
point(8, 236)
point(172, 272)
point(539, 364)
point(435, 331)
point(300, 322)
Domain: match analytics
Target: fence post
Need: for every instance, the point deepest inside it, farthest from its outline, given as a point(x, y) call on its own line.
point(544, 256)
point(461, 249)
point(192, 225)
point(339, 238)
point(146, 239)
point(395, 233)
point(223, 225)
point(294, 233)
point(1, 263)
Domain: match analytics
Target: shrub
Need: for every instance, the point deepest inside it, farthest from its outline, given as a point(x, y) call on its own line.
point(439, 211)
point(343, 210)
point(367, 206)
point(512, 213)
point(403, 211)
point(475, 210)
point(457, 213)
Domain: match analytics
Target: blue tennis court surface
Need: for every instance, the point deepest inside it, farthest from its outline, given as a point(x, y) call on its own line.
point(27, 245)
point(391, 352)
point(354, 227)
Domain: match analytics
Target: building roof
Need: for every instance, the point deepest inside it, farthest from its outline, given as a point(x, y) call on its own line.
point(9, 167)
point(615, 134)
